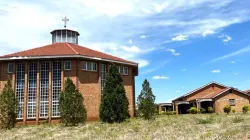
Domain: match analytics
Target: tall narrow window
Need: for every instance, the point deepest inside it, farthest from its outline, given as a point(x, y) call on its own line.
point(103, 75)
point(32, 90)
point(10, 67)
point(67, 65)
point(56, 88)
point(44, 89)
point(20, 79)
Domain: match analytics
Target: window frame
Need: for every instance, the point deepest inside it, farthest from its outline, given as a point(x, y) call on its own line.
point(232, 103)
point(121, 70)
point(9, 67)
point(65, 64)
point(86, 63)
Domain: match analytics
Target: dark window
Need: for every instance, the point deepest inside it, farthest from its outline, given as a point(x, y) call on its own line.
point(10, 67)
point(67, 65)
point(232, 102)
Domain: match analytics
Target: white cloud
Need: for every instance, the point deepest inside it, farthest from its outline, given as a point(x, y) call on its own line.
point(160, 77)
point(178, 91)
point(233, 62)
point(158, 66)
point(207, 32)
point(225, 38)
point(238, 52)
point(184, 70)
point(180, 38)
point(130, 41)
point(216, 71)
point(143, 36)
point(142, 63)
point(131, 49)
point(173, 51)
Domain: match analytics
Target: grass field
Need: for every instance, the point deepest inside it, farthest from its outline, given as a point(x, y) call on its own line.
point(181, 127)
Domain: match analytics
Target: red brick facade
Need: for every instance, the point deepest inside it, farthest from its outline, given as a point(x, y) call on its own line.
point(88, 83)
point(216, 96)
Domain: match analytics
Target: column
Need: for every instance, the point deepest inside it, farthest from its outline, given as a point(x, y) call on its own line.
point(198, 105)
point(13, 78)
point(62, 76)
point(38, 93)
point(25, 93)
point(50, 90)
point(176, 108)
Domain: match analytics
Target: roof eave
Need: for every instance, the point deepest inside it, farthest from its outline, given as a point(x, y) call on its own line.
point(66, 56)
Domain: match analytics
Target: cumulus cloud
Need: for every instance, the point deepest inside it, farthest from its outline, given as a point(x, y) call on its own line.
point(160, 77)
point(233, 62)
point(216, 71)
point(143, 36)
point(180, 38)
point(207, 32)
point(130, 41)
point(173, 51)
point(225, 38)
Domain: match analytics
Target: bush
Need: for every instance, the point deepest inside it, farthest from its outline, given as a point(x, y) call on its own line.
point(210, 110)
point(145, 101)
point(245, 109)
point(114, 102)
point(71, 106)
point(233, 110)
point(227, 109)
point(8, 106)
point(192, 110)
point(203, 110)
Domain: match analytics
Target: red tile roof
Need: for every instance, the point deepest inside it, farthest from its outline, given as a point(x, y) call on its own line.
point(65, 49)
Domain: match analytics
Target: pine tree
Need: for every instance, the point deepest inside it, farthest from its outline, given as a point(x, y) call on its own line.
point(114, 102)
point(71, 105)
point(145, 102)
point(8, 106)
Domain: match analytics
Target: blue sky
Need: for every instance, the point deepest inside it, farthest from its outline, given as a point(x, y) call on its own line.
point(180, 45)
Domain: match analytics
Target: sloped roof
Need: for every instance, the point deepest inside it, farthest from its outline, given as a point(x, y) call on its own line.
point(209, 95)
point(64, 50)
point(228, 90)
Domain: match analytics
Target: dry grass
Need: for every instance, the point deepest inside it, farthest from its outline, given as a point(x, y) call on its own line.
point(180, 127)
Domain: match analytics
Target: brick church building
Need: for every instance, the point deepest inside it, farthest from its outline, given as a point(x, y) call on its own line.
point(38, 77)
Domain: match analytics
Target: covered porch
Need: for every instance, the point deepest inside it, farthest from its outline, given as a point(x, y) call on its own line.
point(181, 107)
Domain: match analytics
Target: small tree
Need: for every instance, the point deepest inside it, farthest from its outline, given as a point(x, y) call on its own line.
point(114, 102)
point(145, 101)
point(210, 110)
point(203, 110)
point(227, 109)
point(8, 106)
point(71, 105)
point(193, 110)
point(245, 109)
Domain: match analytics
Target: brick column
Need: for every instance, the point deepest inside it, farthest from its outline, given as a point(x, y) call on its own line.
point(38, 93)
point(62, 76)
point(25, 93)
point(50, 91)
point(13, 78)
point(176, 108)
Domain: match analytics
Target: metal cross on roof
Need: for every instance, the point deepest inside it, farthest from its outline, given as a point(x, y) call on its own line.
point(65, 19)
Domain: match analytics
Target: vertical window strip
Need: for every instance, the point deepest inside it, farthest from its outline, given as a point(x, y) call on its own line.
point(44, 89)
point(103, 75)
point(20, 81)
point(31, 109)
point(56, 88)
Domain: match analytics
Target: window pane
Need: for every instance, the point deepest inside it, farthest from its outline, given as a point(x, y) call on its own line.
point(67, 65)
point(94, 67)
point(10, 67)
point(88, 66)
point(84, 65)
point(125, 69)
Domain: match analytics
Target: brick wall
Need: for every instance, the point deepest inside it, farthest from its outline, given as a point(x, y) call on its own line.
point(209, 90)
point(223, 100)
point(88, 83)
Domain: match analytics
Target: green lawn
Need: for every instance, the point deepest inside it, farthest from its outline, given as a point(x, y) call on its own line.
point(183, 127)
